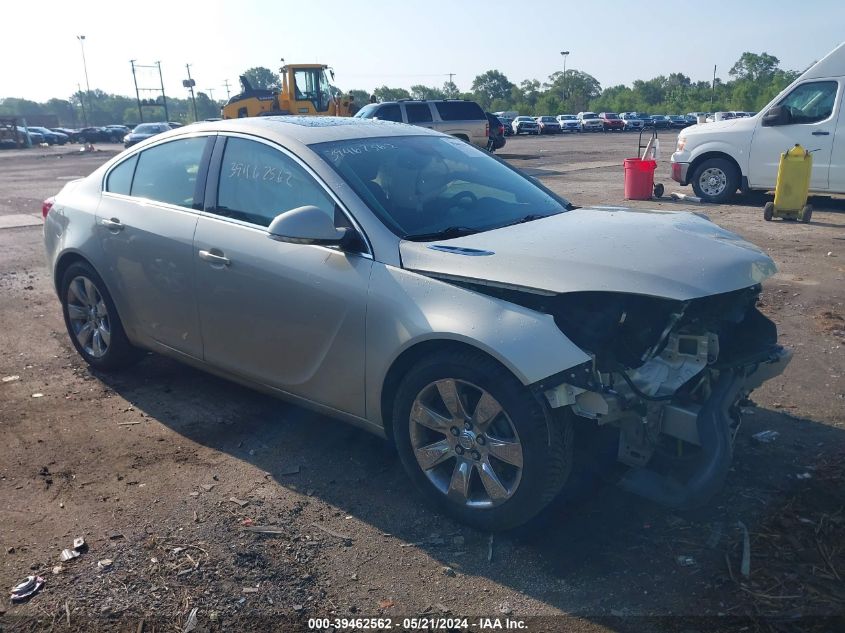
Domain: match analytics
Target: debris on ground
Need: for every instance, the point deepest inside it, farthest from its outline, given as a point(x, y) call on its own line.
point(685, 561)
point(27, 588)
point(105, 563)
point(191, 622)
point(676, 195)
point(240, 502)
point(264, 529)
point(335, 533)
point(765, 437)
point(68, 554)
point(10, 378)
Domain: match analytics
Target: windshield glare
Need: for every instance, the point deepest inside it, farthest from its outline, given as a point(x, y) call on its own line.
point(418, 185)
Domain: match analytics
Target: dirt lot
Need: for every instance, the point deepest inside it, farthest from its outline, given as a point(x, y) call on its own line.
point(163, 469)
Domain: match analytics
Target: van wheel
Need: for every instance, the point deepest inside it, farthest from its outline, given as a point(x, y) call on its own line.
point(92, 321)
point(769, 211)
point(715, 180)
point(477, 443)
point(806, 213)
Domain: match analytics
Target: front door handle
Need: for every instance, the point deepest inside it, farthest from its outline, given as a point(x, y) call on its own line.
point(113, 224)
point(820, 133)
point(214, 258)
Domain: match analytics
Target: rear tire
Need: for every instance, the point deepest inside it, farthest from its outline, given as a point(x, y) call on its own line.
point(538, 444)
point(92, 321)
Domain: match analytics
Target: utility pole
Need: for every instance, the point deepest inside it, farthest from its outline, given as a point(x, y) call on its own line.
point(565, 55)
point(450, 77)
point(163, 97)
point(137, 93)
point(210, 93)
point(713, 90)
point(82, 103)
point(81, 39)
point(226, 84)
point(189, 84)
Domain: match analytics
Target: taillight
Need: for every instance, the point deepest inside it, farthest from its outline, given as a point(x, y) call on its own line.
point(46, 206)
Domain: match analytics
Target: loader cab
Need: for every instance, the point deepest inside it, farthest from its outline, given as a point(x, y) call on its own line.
point(310, 84)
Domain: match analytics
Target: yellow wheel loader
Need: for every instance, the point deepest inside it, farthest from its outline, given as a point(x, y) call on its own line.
point(306, 90)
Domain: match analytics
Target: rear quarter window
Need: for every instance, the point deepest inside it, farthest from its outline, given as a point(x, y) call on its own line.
point(120, 178)
point(460, 111)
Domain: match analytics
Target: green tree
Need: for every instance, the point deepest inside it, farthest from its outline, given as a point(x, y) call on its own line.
point(426, 92)
point(450, 90)
point(362, 97)
point(263, 78)
point(754, 67)
point(391, 94)
point(491, 85)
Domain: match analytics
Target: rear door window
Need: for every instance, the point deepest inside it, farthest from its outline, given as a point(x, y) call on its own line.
point(258, 182)
point(418, 112)
point(459, 111)
point(168, 172)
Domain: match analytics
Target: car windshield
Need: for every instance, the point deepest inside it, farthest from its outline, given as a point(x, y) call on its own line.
point(524, 118)
point(367, 111)
point(611, 115)
point(547, 119)
point(431, 187)
point(567, 117)
point(589, 115)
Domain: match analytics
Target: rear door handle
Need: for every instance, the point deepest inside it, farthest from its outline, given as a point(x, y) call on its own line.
point(214, 258)
point(820, 133)
point(112, 224)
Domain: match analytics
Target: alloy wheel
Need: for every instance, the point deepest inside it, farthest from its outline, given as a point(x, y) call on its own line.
point(88, 316)
point(465, 443)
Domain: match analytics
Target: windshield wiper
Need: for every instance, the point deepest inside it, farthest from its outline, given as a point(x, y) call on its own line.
point(447, 233)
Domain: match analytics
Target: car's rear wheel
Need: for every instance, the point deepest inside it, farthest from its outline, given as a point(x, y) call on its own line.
point(92, 321)
point(477, 443)
point(715, 180)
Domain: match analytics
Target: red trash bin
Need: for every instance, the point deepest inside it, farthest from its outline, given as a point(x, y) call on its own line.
point(639, 178)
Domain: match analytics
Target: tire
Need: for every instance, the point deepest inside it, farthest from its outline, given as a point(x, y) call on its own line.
point(658, 190)
point(78, 299)
point(769, 211)
point(523, 425)
point(715, 180)
point(807, 213)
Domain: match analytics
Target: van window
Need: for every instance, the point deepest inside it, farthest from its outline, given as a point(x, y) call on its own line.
point(460, 111)
point(418, 112)
point(390, 112)
point(811, 102)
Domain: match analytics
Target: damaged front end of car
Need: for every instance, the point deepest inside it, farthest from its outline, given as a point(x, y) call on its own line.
point(670, 375)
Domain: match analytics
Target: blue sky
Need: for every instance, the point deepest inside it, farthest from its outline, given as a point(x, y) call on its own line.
point(403, 42)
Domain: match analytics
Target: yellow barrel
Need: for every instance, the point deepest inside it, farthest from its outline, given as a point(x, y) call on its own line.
point(793, 184)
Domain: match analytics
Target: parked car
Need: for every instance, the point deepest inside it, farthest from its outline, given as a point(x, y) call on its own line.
point(721, 157)
point(645, 118)
point(661, 122)
point(70, 133)
point(720, 116)
point(496, 133)
point(35, 138)
point(548, 125)
point(93, 135)
point(144, 131)
point(691, 119)
point(508, 123)
point(569, 123)
point(525, 125)
point(678, 121)
point(117, 132)
point(462, 119)
point(611, 122)
point(50, 137)
point(293, 255)
point(631, 121)
point(590, 122)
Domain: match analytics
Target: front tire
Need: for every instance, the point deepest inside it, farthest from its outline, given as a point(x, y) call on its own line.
point(477, 443)
point(715, 180)
point(92, 321)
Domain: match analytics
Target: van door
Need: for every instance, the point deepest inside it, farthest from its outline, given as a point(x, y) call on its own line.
point(837, 157)
point(812, 109)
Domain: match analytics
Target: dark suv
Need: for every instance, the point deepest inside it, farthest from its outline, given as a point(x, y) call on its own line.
point(460, 118)
point(496, 133)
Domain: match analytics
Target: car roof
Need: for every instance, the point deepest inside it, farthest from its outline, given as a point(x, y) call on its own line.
point(306, 130)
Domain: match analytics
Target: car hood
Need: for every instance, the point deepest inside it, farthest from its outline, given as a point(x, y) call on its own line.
point(674, 255)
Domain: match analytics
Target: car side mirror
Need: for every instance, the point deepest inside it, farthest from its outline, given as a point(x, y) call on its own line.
point(777, 115)
point(308, 225)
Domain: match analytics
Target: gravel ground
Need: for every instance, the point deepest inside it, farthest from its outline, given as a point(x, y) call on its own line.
point(167, 472)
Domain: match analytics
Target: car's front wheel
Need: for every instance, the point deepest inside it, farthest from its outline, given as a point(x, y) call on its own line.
point(715, 180)
point(477, 443)
point(92, 321)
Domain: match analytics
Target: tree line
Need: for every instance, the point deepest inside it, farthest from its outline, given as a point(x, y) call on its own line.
point(754, 80)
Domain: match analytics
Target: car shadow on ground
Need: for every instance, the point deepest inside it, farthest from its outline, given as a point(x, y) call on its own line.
point(601, 553)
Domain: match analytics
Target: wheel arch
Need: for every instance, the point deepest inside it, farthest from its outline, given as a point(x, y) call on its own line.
point(64, 261)
point(408, 358)
point(713, 154)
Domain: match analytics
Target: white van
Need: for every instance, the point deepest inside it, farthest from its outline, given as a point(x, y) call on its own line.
point(719, 158)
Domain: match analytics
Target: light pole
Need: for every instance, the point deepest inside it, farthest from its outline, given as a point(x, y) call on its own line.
point(565, 55)
point(81, 39)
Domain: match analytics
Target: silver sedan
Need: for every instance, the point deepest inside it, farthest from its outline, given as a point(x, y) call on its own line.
point(410, 284)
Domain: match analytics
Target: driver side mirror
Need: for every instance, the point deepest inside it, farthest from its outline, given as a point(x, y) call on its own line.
point(309, 225)
point(777, 115)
